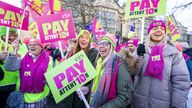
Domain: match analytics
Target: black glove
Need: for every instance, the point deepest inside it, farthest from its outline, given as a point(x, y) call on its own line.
point(141, 50)
point(56, 53)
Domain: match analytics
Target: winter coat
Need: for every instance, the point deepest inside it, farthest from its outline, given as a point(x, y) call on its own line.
point(189, 66)
point(124, 85)
point(188, 52)
point(172, 91)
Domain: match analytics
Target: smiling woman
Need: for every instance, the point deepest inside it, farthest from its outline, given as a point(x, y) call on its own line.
point(108, 89)
point(83, 42)
point(161, 74)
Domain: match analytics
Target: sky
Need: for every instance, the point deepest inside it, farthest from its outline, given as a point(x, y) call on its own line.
point(13, 2)
point(182, 15)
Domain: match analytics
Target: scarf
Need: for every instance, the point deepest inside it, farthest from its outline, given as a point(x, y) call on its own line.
point(100, 96)
point(155, 64)
point(186, 57)
point(32, 73)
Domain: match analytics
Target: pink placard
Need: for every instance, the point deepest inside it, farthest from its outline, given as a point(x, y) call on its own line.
point(11, 16)
point(97, 28)
point(56, 27)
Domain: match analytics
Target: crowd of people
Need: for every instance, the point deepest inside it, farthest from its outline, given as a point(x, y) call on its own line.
point(153, 74)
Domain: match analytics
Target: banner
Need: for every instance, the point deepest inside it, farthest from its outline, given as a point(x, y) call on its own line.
point(172, 29)
point(97, 28)
point(55, 6)
point(131, 34)
point(45, 11)
point(33, 29)
point(11, 16)
point(70, 75)
point(38, 8)
point(142, 8)
point(56, 27)
point(36, 5)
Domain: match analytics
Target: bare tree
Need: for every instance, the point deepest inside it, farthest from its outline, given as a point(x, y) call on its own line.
point(184, 6)
point(83, 11)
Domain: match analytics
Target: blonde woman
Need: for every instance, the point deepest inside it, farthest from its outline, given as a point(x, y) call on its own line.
point(164, 77)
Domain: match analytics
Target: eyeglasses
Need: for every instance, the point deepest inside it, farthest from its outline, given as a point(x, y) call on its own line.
point(35, 45)
point(105, 44)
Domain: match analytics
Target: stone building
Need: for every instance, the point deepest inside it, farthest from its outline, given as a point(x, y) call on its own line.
point(109, 13)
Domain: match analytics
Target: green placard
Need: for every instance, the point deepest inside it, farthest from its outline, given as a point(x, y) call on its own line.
point(143, 8)
point(70, 75)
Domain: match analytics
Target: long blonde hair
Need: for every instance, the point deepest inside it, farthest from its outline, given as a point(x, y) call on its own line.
point(149, 43)
point(77, 47)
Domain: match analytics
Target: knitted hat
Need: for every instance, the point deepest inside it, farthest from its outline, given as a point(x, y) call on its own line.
point(13, 30)
point(3, 30)
point(84, 32)
point(110, 38)
point(133, 41)
point(155, 23)
point(26, 39)
point(37, 41)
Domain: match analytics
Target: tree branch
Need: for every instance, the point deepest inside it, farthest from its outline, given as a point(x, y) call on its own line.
point(185, 5)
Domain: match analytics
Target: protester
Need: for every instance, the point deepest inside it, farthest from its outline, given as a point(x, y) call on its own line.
point(111, 87)
point(83, 42)
point(128, 52)
point(132, 45)
point(32, 68)
point(7, 78)
point(162, 82)
point(13, 34)
point(188, 60)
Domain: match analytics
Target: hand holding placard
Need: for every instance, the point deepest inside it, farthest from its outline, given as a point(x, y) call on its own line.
point(83, 97)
